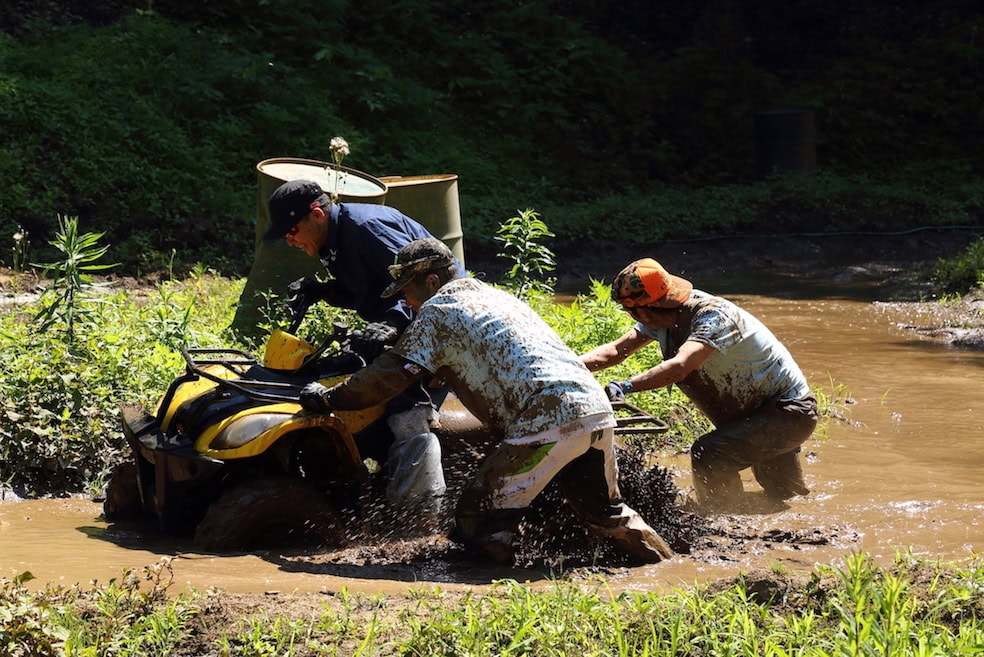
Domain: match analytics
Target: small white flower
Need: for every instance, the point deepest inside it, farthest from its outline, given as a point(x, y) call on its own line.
point(18, 236)
point(339, 147)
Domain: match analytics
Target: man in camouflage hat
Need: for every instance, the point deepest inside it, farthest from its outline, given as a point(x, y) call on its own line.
point(513, 372)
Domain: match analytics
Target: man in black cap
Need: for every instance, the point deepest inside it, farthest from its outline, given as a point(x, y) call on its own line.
point(513, 372)
point(356, 242)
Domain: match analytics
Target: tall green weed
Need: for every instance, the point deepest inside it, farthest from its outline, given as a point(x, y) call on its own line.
point(73, 283)
point(531, 261)
point(59, 417)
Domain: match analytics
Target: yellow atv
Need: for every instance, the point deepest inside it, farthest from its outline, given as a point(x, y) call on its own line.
point(230, 457)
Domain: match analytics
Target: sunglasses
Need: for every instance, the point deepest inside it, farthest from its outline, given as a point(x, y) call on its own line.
point(293, 230)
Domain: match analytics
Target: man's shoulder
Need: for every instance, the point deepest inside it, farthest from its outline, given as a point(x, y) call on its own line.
point(468, 296)
point(381, 220)
point(363, 211)
point(372, 212)
point(703, 303)
point(464, 285)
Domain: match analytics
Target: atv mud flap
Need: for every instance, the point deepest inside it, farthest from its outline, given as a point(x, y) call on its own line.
point(174, 479)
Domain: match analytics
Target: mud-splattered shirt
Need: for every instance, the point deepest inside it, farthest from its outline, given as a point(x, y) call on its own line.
point(508, 367)
point(749, 365)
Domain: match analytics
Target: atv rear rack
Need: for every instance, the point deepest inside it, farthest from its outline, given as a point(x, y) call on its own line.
point(640, 422)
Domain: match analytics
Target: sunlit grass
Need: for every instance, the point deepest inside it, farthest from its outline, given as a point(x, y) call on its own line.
point(912, 607)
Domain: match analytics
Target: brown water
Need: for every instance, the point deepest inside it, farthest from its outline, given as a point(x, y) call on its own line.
point(904, 472)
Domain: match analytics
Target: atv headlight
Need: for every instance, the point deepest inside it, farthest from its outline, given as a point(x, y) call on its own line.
point(246, 429)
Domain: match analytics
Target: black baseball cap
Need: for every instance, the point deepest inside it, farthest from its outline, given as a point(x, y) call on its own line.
point(290, 203)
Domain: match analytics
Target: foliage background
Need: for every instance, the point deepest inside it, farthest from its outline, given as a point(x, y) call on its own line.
point(146, 119)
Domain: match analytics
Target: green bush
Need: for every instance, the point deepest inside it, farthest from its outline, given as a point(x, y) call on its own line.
point(59, 415)
point(962, 273)
point(147, 124)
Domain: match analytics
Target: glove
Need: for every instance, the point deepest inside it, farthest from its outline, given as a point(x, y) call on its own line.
point(305, 291)
point(372, 340)
point(314, 397)
point(616, 391)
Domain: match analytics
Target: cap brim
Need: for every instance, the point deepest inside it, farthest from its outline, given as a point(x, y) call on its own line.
point(396, 286)
point(275, 232)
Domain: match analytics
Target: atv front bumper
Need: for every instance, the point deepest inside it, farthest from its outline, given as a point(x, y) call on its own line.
point(175, 481)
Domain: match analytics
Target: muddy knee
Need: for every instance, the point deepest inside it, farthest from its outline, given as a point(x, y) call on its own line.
point(782, 477)
point(491, 533)
point(715, 476)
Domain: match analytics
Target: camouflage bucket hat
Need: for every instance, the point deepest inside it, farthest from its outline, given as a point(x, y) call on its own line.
point(418, 257)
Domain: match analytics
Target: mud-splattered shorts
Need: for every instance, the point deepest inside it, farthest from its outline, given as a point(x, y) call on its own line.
point(511, 477)
point(514, 474)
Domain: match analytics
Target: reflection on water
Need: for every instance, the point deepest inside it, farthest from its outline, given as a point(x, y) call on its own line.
point(905, 472)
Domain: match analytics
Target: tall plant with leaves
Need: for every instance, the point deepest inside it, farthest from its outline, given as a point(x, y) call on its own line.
point(522, 237)
point(73, 281)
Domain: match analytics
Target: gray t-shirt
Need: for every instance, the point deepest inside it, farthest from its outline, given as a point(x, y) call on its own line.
point(503, 361)
point(749, 366)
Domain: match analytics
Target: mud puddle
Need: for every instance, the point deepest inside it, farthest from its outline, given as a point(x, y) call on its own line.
point(901, 471)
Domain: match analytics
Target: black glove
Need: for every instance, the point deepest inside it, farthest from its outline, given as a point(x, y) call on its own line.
point(372, 340)
point(314, 397)
point(305, 291)
point(615, 392)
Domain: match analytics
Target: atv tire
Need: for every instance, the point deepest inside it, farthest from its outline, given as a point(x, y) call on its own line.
point(267, 513)
point(122, 503)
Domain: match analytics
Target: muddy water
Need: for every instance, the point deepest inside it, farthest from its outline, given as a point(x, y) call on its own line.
point(904, 470)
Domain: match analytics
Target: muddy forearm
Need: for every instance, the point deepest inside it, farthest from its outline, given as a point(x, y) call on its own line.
point(380, 381)
point(675, 369)
point(607, 355)
point(602, 357)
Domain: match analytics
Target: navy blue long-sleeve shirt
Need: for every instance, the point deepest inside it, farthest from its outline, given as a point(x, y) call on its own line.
point(363, 240)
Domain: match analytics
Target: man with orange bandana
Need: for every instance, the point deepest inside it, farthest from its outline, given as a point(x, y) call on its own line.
point(734, 370)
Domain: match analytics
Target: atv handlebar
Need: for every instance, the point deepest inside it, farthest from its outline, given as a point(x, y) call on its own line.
point(200, 362)
point(298, 314)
